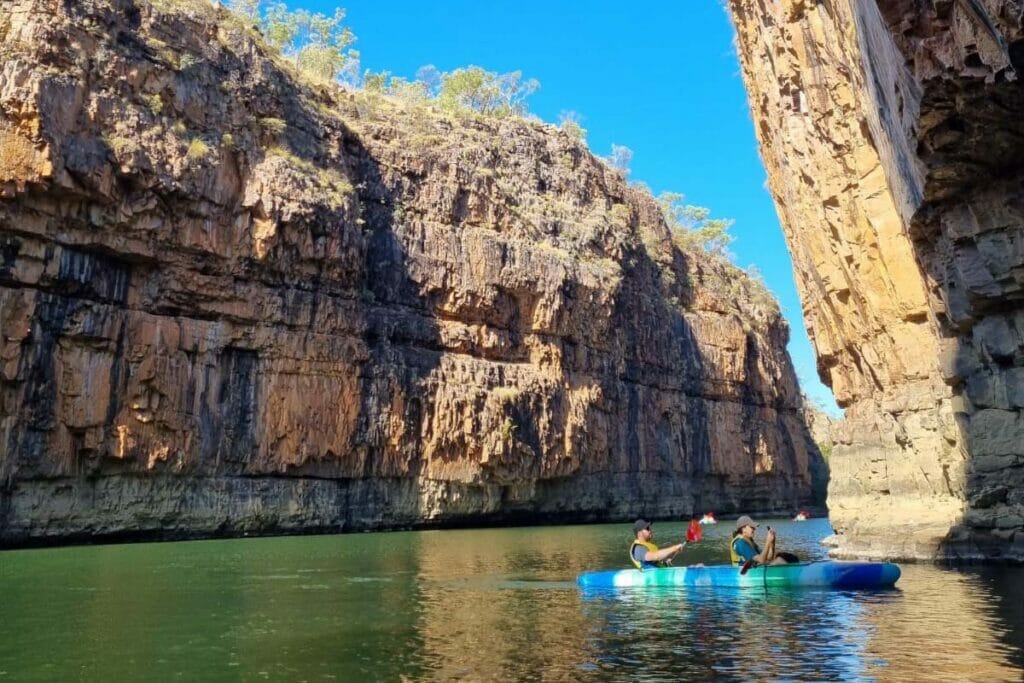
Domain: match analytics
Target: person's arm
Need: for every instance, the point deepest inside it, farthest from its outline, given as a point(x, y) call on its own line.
point(768, 553)
point(664, 553)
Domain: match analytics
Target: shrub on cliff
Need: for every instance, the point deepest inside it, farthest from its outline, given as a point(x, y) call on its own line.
point(318, 44)
point(619, 159)
point(409, 92)
point(250, 9)
point(569, 122)
point(485, 92)
point(692, 227)
point(758, 292)
point(470, 89)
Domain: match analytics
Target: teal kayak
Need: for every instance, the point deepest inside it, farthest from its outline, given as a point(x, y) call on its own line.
point(825, 574)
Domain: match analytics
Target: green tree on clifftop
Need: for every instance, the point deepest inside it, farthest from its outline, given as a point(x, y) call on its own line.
point(693, 228)
point(319, 44)
point(488, 93)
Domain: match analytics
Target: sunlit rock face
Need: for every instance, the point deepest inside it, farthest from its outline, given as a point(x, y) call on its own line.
point(236, 302)
point(893, 136)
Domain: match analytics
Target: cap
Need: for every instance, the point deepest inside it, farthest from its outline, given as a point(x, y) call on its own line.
point(640, 524)
point(745, 520)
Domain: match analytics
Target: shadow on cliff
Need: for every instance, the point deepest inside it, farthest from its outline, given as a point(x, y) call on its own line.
point(674, 416)
point(376, 473)
point(319, 301)
point(967, 237)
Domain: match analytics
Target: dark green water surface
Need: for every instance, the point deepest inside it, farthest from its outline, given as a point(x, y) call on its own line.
point(496, 604)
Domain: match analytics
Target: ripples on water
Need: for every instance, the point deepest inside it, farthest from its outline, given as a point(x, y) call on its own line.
point(481, 605)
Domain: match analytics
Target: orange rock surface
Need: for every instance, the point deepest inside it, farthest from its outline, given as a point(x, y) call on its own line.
point(892, 136)
point(236, 301)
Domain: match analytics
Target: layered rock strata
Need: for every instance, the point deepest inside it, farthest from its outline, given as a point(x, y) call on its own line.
point(893, 138)
point(234, 301)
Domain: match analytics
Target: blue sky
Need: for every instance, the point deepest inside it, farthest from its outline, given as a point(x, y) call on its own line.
point(663, 80)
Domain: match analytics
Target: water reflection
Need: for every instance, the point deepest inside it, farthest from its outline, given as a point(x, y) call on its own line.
point(730, 633)
point(940, 623)
point(680, 633)
point(1004, 594)
point(481, 605)
point(497, 605)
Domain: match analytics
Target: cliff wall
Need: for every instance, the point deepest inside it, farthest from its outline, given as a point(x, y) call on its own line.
point(893, 138)
point(234, 301)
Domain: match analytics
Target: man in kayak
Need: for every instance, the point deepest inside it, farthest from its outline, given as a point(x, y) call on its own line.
point(744, 548)
point(644, 554)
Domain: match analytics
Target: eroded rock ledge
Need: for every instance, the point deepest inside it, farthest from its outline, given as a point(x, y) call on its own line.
point(893, 136)
point(235, 302)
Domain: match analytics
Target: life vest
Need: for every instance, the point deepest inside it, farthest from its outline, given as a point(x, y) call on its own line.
point(736, 558)
point(650, 546)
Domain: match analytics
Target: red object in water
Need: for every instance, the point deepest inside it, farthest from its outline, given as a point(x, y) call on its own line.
point(693, 532)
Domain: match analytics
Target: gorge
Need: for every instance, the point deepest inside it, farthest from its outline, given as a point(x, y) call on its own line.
point(236, 301)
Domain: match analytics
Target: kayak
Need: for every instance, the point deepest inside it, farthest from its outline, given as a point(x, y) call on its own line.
point(825, 574)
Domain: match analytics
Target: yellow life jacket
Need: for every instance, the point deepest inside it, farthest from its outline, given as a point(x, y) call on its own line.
point(736, 558)
point(650, 546)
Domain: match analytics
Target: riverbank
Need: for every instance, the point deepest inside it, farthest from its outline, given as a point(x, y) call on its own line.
point(126, 510)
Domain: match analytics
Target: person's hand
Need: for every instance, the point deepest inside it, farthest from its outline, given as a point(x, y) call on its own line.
point(771, 535)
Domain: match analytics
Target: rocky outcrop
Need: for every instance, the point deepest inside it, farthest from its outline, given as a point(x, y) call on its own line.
point(236, 301)
point(893, 138)
point(819, 427)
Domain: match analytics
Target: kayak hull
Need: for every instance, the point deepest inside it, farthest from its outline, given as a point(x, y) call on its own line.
point(826, 574)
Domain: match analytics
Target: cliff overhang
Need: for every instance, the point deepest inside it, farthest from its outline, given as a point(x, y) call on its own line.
point(893, 139)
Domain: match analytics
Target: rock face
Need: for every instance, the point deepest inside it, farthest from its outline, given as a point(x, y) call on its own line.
point(893, 137)
point(820, 426)
point(234, 301)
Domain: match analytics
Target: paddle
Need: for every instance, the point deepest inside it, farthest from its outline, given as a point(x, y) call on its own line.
point(751, 563)
point(693, 532)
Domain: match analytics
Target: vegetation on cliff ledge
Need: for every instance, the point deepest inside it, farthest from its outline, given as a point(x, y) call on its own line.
point(316, 48)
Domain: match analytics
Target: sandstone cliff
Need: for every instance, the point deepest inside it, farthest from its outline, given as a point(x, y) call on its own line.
point(893, 136)
point(233, 301)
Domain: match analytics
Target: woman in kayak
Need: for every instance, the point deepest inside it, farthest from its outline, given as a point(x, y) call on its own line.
point(644, 554)
point(744, 548)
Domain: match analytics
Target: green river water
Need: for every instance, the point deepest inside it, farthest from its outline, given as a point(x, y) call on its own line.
point(476, 605)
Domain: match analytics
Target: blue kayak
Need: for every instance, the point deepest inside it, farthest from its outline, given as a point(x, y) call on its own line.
point(825, 574)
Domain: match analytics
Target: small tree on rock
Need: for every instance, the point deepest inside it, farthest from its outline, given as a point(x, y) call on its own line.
point(488, 93)
point(569, 122)
point(319, 44)
point(620, 159)
point(250, 9)
point(693, 228)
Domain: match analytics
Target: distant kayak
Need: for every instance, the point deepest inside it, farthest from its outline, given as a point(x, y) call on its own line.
point(708, 519)
point(825, 574)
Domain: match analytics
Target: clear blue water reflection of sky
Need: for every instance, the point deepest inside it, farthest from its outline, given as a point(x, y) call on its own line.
point(661, 78)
